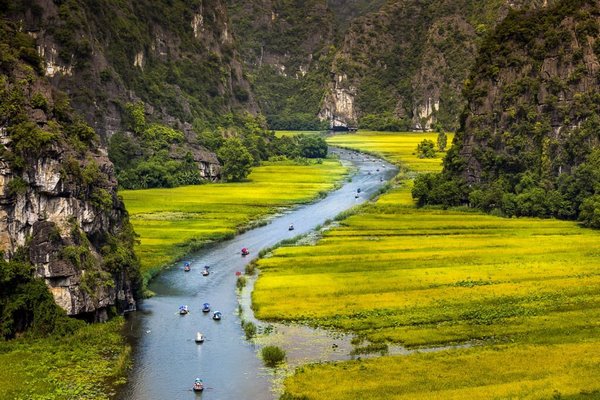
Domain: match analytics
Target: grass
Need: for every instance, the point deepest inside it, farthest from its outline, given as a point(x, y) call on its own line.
point(86, 365)
point(524, 290)
point(172, 222)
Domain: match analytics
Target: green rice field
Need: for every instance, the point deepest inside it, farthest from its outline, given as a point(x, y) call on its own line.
point(521, 294)
point(172, 222)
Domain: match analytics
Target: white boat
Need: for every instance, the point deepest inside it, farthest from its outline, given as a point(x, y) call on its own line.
point(199, 337)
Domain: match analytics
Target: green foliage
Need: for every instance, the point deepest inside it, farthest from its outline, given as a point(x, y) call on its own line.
point(236, 160)
point(272, 355)
point(383, 122)
point(249, 329)
point(312, 146)
point(240, 283)
point(26, 304)
point(426, 149)
point(17, 186)
point(442, 140)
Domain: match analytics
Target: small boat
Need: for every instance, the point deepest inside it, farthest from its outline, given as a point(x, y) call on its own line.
point(206, 307)
point(291, 227)
point(199, 337)
point(187, 267)
point(245, 251)
point(358, 190)
point(198, 385)
point(217, 315)
point(205, 272)
point(183, 310)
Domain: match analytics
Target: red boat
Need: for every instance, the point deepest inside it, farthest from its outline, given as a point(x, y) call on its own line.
point(245, 251)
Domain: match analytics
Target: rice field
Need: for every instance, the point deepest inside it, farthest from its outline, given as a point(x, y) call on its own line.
point(397, 147)
point(172, 222)
point(523, 294)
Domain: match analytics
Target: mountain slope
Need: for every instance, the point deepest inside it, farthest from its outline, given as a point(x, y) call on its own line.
point(529, 138)
point(61, 221)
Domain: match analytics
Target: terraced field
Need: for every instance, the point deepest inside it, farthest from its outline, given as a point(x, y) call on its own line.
point(521, 293)
point(171, 222)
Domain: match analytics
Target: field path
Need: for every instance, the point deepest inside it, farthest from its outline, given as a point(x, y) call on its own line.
point(166, 359)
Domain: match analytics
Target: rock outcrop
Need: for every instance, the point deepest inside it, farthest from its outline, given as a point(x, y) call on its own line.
point(177, 57)
point(58, 196)
point(532, 96)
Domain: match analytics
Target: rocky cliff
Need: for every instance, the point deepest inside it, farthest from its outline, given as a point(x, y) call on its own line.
point(59, 209)
point(178, 57)
point(406, 63)
point(529, 141)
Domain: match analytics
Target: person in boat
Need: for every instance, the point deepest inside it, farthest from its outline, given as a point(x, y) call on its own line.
point(198, 385)
point(291, 227)
point(245, 251)
point(206, 307)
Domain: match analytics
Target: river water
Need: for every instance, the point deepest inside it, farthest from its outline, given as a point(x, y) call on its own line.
point(166, 360)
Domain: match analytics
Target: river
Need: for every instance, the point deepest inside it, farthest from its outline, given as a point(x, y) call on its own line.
point(166, 360)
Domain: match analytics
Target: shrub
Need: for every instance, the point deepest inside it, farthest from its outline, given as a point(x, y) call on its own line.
point(272, 355)
point(426, 149)
point(249, 329)
point(241, 282)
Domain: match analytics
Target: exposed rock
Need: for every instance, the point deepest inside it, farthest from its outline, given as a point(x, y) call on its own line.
point(58, 197)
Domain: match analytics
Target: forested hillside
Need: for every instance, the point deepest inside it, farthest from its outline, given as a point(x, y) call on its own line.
point(528, 142)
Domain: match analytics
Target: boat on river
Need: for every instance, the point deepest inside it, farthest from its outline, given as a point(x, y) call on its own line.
point(205, 308)
point(245, 251)
point(205, 272)
point(187, 267)
point(198, 385)
point(199, 337)
point(217, 315)
point(183, 310)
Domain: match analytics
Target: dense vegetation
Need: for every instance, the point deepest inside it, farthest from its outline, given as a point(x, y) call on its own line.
point(532, 149)
point(287, 48)
point(155, 155)
point(517, 292)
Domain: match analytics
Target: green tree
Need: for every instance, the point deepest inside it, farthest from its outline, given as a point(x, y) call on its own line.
point(426, 149)
point(442, 140)
point(236, 160)
point(313, 146)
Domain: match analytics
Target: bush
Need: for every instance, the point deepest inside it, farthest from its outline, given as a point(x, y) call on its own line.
point(241, 282)
point(272, 355)
point(249, 329)
point(426, 149)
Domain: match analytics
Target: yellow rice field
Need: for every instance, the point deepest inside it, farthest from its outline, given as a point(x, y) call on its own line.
point(398, 147)
point(171, 222)
point(524, 293)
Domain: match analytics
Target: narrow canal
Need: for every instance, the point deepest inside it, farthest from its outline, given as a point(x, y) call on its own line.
point(166, 358)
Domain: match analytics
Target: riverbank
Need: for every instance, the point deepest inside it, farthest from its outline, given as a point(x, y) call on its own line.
point(174, 222)
point(393, 274)
point(166, 359)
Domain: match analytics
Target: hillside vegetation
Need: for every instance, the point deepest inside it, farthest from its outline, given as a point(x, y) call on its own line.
point(528, 143)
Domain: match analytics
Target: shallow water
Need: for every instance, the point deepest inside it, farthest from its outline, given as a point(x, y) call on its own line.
point(166, 358)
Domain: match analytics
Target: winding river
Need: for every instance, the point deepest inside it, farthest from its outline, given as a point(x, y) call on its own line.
point(166, 358)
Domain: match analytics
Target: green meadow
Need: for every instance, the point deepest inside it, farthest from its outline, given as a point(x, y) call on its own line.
point(85, 365)
point(172, 222)
point(521, 294)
